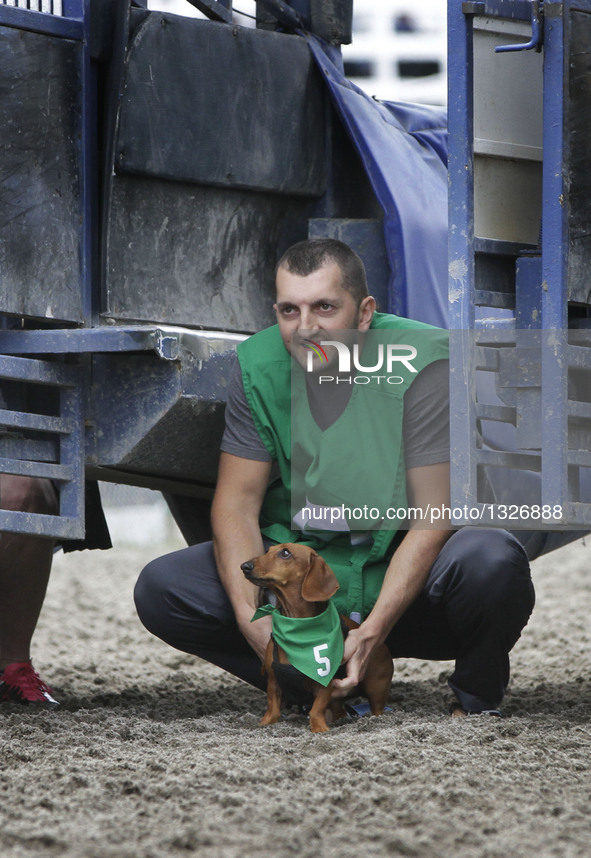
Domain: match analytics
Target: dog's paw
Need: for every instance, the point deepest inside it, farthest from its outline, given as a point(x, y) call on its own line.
point(269, 719)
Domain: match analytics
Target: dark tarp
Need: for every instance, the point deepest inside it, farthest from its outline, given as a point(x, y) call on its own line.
point(403, 148)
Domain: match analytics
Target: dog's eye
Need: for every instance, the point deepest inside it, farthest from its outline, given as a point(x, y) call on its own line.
point(284, 553)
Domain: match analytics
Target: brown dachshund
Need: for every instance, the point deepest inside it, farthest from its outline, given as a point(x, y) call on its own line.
point(303, 583)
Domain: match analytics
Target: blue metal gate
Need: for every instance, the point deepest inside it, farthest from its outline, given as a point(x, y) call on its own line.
point(45, 245)
point(519, 257)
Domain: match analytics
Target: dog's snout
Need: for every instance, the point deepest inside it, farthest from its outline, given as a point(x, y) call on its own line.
point(248, 567)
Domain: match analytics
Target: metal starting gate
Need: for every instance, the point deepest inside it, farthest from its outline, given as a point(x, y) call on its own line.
point(520, 261)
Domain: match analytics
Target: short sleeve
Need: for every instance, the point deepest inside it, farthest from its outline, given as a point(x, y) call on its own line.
point(426, 417)
point(240, 437)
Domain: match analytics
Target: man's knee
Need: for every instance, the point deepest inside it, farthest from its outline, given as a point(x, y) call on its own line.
point(151, 595)
point(179, 597)
point(489, 565)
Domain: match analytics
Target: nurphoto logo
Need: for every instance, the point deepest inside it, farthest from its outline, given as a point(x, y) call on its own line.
point(315, 349)
point(388, 356)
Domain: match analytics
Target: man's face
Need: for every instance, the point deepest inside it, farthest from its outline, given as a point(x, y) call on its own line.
point(308, 307)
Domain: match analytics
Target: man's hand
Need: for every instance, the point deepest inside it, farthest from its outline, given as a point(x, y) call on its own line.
point(358, 649)
point(405, 577)
point(257, 634)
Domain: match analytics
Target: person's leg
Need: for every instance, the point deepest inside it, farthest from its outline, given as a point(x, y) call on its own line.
point(478, 598)
point(540, 542)
point(25, 565)
point(483, 581)
point(180, 599)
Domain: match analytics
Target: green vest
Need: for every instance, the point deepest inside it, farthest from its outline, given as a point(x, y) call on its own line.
point(354, 466)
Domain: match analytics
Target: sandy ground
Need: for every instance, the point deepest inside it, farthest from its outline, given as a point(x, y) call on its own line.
point(155, 754)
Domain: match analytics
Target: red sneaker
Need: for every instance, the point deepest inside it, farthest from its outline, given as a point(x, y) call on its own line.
point(20, 683)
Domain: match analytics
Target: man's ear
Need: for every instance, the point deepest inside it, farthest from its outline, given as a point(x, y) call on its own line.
point(320, 584)
point(365, 313)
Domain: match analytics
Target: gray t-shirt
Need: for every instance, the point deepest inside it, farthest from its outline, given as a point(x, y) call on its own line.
point(425, 421)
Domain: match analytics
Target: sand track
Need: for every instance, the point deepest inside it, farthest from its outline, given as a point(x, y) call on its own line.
point(155, 754)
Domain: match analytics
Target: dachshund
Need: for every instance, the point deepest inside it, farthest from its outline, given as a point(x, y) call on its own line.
point(303, 584)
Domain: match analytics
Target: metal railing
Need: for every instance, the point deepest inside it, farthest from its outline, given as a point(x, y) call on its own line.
point(51, 7)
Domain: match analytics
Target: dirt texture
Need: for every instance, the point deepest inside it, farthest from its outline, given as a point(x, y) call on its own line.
point(154, 753)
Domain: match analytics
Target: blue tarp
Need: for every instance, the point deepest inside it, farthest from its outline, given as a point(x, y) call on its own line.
point(403, 148)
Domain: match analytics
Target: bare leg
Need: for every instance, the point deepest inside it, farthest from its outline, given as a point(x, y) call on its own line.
point(25, 564)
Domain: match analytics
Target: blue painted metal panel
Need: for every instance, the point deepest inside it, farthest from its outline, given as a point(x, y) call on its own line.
point(516, 10)
point(74, 142)
point(19, 448)
point(528, 293)
point(461, 263)
point(71, 491)
point(41, 217)
point(88, 169)
point(41, 525)
point(66, 466)
point(167, 341)
point(75, 8)
point(528, 321)
point(36, 371)
point(554, 268)
point(41, 470)
point(38, 422)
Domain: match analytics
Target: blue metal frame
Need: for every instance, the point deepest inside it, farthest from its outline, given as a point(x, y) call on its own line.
point(539, 331)
point(60, 457)
point(88, 172)
point(554, 275)
point(166, 341)
point(516, 10)
point(474, 341)
point(536, 33)
point(65, 466)
point(461, 264)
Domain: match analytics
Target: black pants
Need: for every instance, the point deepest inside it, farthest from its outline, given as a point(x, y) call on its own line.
point(477, 599)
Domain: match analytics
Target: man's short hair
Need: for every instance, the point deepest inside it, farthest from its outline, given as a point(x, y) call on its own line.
point(310, 255)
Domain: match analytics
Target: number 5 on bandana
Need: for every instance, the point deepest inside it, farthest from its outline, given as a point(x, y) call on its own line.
point(299, 638)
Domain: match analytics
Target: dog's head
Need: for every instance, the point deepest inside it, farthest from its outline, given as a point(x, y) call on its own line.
point(291, 567)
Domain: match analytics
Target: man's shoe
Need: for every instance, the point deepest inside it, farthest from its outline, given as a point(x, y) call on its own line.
point(456, 711)
point(20, 683)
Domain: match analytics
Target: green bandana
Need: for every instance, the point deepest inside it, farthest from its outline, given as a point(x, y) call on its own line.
point(313, 645)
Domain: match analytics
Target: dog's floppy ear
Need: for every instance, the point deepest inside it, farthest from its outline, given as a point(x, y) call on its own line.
point(320, 583)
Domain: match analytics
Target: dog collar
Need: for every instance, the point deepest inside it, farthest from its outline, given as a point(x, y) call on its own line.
point(313, 645)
